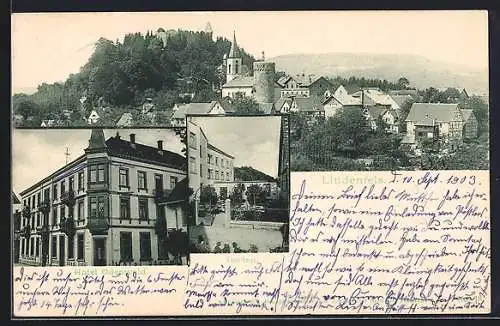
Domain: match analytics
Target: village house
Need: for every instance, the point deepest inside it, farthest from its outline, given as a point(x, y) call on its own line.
point(374, 96)
point(387, 115)
point(125, 120)
point(94, 116)
point(434, 122)
point(106, 206)
point(180, 110)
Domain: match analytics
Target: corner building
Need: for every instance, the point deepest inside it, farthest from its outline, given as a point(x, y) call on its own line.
point(116, 203)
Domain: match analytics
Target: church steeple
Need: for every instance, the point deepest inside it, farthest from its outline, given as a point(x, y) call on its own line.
point(96, 141)
point(235, 51)
point(233, 61)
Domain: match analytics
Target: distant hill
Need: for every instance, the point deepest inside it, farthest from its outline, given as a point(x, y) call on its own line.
point(247, 173)
point(420, 71)
point(24, 90)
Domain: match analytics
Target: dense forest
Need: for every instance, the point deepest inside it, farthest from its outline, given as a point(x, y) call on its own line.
point(123, 74)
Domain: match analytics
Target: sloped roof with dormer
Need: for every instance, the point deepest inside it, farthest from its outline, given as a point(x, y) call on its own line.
point(429, 113)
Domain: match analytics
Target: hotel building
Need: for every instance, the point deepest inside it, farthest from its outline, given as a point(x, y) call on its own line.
point(119, 202)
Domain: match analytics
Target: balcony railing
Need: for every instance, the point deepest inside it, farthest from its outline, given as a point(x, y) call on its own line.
point(68, 198)
point(98, 225)
point(44, 206)
point(161, 195)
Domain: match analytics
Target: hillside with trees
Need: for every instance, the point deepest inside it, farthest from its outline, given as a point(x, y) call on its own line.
point(121, 75)
point(247, 173)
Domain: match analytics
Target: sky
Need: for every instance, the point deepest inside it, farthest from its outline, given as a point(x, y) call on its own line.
point(37, 153)
point(47, 47)
point(253, 141)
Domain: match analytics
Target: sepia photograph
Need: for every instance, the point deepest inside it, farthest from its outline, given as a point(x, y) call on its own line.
point(94, 197)
point(387, 98)
point(238, 184)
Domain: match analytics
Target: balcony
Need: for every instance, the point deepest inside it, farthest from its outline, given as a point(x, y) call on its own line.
point(68, 198)
point(67, 226)
point(98, 225)
point(26, 212)
point(44, 206)
point(162, 195)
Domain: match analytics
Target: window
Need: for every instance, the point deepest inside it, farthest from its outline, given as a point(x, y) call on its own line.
point(54, 216)
point(38, 198)
point(173, 182)
point(216, 175)
point(222, 162)
point(229, 68)
point(200, 151)
point(227, 176)
point(54, 192)
point(123, 181)
point(54, 246)
point(158, 181)
point(97, 207)
point(71, 247)
point(62, 214)
point(39, 219)
point(96, 173)
point(192, 140)
point(210, 172)
point(71, 186)
point(126, 246)
point(81, 180)
point(32, 246)
point(216, 161)
point(33, 220)
point(192, 163)
point(141, 180)
point(33, 202)
point(46, 194)
point(236, 67)
point(145, 245)
point(201, 171)
point(37, 247)
point(143, 208)
point(80, 209)
point(125, 208)
point(63, 187)
point(80, 241)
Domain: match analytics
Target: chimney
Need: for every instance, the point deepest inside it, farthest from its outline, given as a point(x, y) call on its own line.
point(160, 147)
point(132, 140)
point(263, 56)
point(117, 135)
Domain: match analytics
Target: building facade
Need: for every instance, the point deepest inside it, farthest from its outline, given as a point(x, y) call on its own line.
point(117, 203)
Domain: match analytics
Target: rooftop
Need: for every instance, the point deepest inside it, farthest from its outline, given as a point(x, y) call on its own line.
point(430, 113)
point(240, 81)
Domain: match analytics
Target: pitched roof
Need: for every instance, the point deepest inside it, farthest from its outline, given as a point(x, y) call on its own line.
point(240, 81)
point(122, 148)
point(401, 99)
point(192, 108)
point(281, 101)
point(377, 111)
point(15, 199)
point(125, 119)
point(227, 105)
point(429, 113)
point(212, 147)
point(466, 113)
point(179, 193)
point(309, 104)
point(282, 80)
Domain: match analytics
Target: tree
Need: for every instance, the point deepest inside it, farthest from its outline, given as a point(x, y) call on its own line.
point(403, 83)
point(245, 105)
point(27, 108)
point(237, 195)
point(403, 113)
point(481, 112)
point(208, 195)
point(256, 194)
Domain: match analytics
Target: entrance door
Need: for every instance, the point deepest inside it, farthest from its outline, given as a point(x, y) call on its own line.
point(62, 253)
point(100, 252)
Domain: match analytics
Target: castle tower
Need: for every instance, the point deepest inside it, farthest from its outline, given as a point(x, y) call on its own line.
point(96, 141)
point(234, 61)
point(264, 74)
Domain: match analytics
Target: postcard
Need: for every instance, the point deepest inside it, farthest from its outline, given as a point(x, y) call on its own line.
point(250, 163)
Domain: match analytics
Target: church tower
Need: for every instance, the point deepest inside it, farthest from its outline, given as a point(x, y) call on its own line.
point(233, 61)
